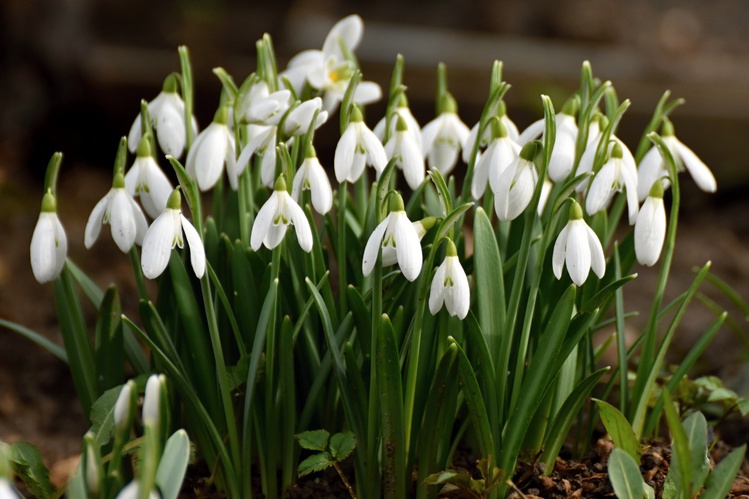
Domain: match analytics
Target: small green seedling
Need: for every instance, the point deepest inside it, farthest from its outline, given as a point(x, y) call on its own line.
point(331, 451)
point(491, 478)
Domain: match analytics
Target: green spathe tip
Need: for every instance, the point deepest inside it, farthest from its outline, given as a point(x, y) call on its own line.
point(401, 125)
point(571, 106)
point(310, 153)
point(280, 184)
point(656, 191)
point(616, 151)
point(49, 203)
point(170, 84)
point(576, 212)
point(222, 115)
point(118, 182)
point(356, 116)
point(529, 150)
point(450, 249)
point(175, 200)
point(403, 101)
point(667, 130)
point(144, 147)
point(396, 202)
point(448, 104)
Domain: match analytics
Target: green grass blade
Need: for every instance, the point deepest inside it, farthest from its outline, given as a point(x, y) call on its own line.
point(475, 403)
point(391, 412)
point(37, 338)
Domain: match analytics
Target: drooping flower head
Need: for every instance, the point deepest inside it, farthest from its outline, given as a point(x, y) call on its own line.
point(487, 136)
point(579, 248)
point(261, 142)
point(213, 148)
point(49, 244)
point(450, 286)
point(146, 180)
point(167, 113)
point(311, 177)
point(618, 173)
point(501, 152)
point(396, 232)
point(358, 147)
point(443, 137)
point(299, 119)
point(164, 234)
point(597, 125)
point(403, 111)
point(650, 228)
point(260, 107)
point(274, 218)
point(514, 187)
point(407, 154)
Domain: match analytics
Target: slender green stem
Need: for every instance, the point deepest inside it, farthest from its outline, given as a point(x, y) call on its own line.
point(373, 427)
point(342, 281)
point(138, 273)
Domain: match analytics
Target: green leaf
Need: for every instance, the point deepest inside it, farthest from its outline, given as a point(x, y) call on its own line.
point(316, 462)
point(27, 464)
point(681, 461)
point(475, 403)
point(490, 294)
point(109, 352)
point(342, 444)
point(695, 426)
point(391, 412)
point(721, 479)
point(625, 477)
point(314, 439)
point(619, 429)
point(102, 415)
point(37, 338)
point(173, 465)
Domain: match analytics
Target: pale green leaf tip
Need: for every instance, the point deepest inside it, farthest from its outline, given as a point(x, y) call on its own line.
point(528, 152)
point(310, 153)
point(401, 125)
point(616, 151)
point(447, 104)
point(572, 105)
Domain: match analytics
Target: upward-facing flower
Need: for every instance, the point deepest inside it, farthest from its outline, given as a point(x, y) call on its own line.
point(311, 176)
point(563, 152)
point(274, 218)
point(213, 148)
point(442, 138)
point(578, 247)
point(450, 286)
point(167, 113)
point(122, 213)
point(650, 228)
point(49, 244)
point(396, 232)
point(510, 127)
point(261, 142)
point(515, 185)
point(164, 234)
point(617, 173)
point(260, 107)
point(299, 119)
point(358, 147)
point(501, 152)
point(146, 180)
point(407, 154)
point(653, 167)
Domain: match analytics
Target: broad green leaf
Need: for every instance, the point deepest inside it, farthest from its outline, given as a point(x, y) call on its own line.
point(490, 293)
point(720, 480)
point(625, 477)
point(342, 444)
point(695, 427)
point(475, 403)
point(315, 462)
point(619, 429)
point(27, 464)
point(102, 415)
point(173, 465)
point(313, 439)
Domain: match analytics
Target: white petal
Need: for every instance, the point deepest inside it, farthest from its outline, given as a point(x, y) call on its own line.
point(586, 164)
point(443, 156)
point(197, 250)
point(191, 166)
point(322, 193)
point(577, 252)
point(457, 296)
point(521, 192)
point(437, 290)
point(268, 167)
point(263, 221)
point(231, 163)
point(512, 128)
point(375, 150)
point(532, 132)
point(407, 246)
point(299, 178)
point(301, 225)
point(93, 226)
point(367, 92)
point(650, 231)
point(560, 247)
point(133, 138)
point(481, 173)
point(210, 156)
point(372, 249)
point(429, 133)
point(597, 259)
point(502, 190)
point(379, 129)
point(170, 128)
point(468, 143)
point(159, 189)
point(411, 160)
point(562, 157)
point(699, 171)
point(651, 169)
point(344, 154)
point(347, 31)
point(122, 220)
point(7, 491)
point(49, 247)
point(158, 244)
point(505, 153)
point(275, 235)
point(601, 191)
point(630, 184)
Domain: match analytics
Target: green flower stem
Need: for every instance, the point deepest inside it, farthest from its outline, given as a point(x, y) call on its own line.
point(245, 193)
point(53, 170)
point(140, 283)
point(342, 281)
point(373, 423)
point(187, 92)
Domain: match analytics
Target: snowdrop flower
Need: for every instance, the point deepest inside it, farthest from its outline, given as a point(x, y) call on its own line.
point(358, 147)
point(442, 138)
point(450, 286)
point(123, 408)
point(311, 176)
point(544, 197)
point(595, 131)
point(260, 107)
point(275, 217)
point(146, 180)
point(132, 491)
point(7, 491)
point(653, 167)
point(333, 77)
point(152, 399)
point(261, 142)
point(167, 113)
point(501, 152)
point(650, 228)
point(390, 256)
point(578, 247)
point(396, 232)
point(213, 148)
point(299, 119)
point(407, 154)
point(93, 469)
point(164, 234)
point(617, 173)
point(49, 244)
point(122, 213)
point(402, 110)
point(514, 187)
point(563, 151)
point(510, 127)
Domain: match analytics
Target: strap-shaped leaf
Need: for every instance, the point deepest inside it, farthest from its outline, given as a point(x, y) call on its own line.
point(625, 477)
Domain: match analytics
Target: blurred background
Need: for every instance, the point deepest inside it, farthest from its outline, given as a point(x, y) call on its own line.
point(72, 73)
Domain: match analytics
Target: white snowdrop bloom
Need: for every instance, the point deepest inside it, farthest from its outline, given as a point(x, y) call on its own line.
point(147, 181)
point(311, 176)
point(398, 232)
point(563, 152)
point(261, 142)
point(653, 167)
point(595, 131)
point(443, 137)
point(578, 247)
point(122, 213)
point(152, 399)
point(299, 119)
point(450, 286)
point(260, 107)
point(617, 173)
point(164, 234)
point(544, 197)
point(7, 491)
point(93, 471)
point(132, 491)
point(333, 78)
point(501, 152)
point(167, 113)
point(514, 187)
point(274, 218)
point(213, 148)
point(407, 154)
point(358, 147)
point(510, 127)
point(390, 256)
point(49, 244)
point(650, 228)
point(123, 408)
point(402, 111)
